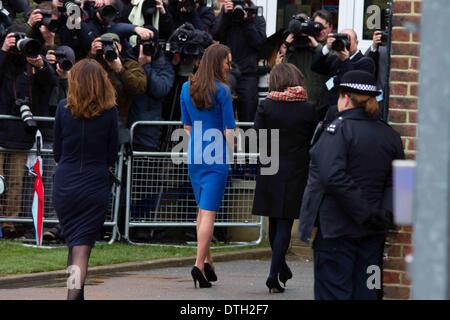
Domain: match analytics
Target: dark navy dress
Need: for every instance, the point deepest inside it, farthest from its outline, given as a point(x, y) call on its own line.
point(208, 166)
point(84, 150)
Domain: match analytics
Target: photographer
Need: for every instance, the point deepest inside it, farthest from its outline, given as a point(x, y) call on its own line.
point(378, 51)
point(148, 106)
point(27, 79)
point(338, 57)
point(148, 13)
point(302, 47)
point(243, 31)
point(195, 12)
point(41, 25)
point(127, 76)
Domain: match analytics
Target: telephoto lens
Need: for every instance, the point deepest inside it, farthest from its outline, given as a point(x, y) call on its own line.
point(27, 46)
point(27, 116)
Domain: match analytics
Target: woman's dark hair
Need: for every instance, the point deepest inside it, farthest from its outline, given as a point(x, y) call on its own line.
point(368, 103)
point(202, 87)
point(90, 92)
point(283, 76)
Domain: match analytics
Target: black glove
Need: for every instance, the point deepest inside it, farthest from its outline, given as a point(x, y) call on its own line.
point(379, 221)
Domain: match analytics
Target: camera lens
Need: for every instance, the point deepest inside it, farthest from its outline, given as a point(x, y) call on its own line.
point(29, 47)
point(109, 13)
point(27, 118)
point(65, 64)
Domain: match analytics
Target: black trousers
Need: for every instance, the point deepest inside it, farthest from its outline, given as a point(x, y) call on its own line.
point(247, 101)
point(344, 268)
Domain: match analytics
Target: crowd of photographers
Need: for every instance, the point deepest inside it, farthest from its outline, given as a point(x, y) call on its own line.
point(149, 48)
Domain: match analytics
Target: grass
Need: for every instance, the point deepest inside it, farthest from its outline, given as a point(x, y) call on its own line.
point(18, 259)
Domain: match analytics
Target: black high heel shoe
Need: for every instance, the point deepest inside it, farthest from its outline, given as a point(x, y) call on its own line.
point(197, 275)
point(285, 274)
point(210, 273)
point(274, 286)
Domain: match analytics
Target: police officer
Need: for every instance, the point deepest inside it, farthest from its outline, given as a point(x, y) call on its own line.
point(349, 194)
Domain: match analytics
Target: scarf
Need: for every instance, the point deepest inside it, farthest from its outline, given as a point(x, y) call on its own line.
point(136, 17)
point(291, 94)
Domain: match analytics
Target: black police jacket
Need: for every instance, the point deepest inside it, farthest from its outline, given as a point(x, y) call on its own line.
point(350, 176)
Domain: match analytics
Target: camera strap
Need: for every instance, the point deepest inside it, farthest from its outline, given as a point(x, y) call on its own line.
point(29, 84)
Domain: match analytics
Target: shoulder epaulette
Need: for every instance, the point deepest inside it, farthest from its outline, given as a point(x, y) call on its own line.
point(333, 127)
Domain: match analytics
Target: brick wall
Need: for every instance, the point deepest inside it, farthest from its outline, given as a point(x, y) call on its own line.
point(403, 117)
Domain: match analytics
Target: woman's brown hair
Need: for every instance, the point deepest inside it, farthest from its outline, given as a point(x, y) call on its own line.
point(283, 76)
point(368, 103)
point(90, 92)
point(202, 87)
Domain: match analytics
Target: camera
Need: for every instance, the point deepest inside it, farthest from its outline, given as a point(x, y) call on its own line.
point(342, 42)
point(188, 41)
point(302, 27)
point(26, 46)
point(240, 9)
point(108, 13)
point(61, 59)
point(52, 25)
point(26, 115)
point(109, 49)
point(384, 37)
point(149, 47)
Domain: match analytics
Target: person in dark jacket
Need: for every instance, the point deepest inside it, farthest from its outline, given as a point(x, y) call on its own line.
point(302, 57)
point(279, 196)
point(335, 64)
point(349, 194)
point(85, 149)
point(200, 15)
point(243, 37)
point(379, 53)
point(148, 106)
point(127, 76)
point(21, 77)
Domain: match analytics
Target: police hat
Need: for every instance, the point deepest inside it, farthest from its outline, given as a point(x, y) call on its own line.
point(360, 82)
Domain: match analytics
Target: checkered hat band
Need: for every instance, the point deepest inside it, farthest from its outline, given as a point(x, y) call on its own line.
point(358, 86)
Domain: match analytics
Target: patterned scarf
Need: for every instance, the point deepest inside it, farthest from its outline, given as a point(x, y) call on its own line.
point(291, 94)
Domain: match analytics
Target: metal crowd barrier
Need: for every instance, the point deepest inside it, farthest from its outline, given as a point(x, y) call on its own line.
point(159, 192)
point(23, 201)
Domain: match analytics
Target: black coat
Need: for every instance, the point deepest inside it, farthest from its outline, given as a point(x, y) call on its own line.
point(350, 176)
point(280, 195)
point(244, 40)
point(331, 66)
point(18, 80)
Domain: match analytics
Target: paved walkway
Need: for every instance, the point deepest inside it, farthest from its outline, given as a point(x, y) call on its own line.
point(237, 280)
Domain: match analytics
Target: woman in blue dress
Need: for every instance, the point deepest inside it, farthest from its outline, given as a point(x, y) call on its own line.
point(207, 115)
point(85, 149)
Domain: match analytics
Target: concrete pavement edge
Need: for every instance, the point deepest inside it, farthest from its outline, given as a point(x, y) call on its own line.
point(34, 279)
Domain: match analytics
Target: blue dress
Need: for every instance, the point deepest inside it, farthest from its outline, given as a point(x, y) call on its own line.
point(84, 150)
point(207, 154)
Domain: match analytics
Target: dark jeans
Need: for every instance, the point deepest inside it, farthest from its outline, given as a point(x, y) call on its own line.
point(279, 238)
point(247, 102)
point(341, 267)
